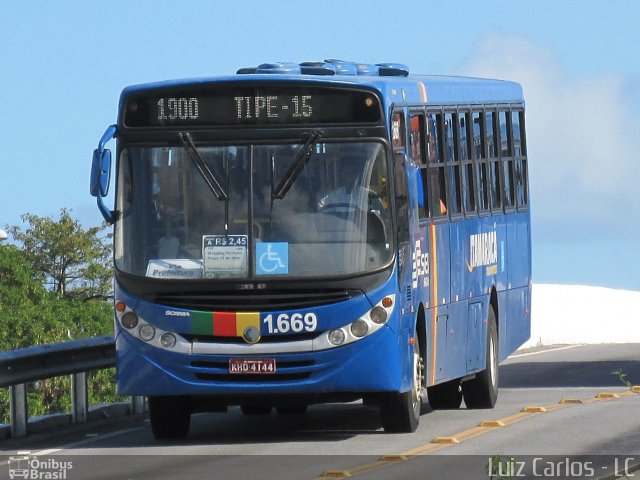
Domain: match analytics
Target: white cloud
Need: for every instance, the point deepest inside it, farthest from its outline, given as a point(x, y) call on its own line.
point(582, 149)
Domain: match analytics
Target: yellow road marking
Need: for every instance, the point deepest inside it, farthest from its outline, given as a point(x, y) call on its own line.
point(607, 395)
point(445, 440)
point(336, 473)
point(394, 457)
point(492, 424)
point(439, 443)
point(534, 409)
point(566, 401)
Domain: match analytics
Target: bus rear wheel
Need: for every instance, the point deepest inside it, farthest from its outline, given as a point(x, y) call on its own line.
point(170, 417)
point(400, 412)
point(482, 391)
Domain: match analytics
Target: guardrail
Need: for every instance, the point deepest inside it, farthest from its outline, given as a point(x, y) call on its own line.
point(75, 358)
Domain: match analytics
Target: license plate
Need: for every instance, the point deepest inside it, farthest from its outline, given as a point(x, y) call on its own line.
point(252, 365)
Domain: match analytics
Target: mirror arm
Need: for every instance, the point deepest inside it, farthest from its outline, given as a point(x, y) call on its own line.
point(108, 135)
point(110, 216)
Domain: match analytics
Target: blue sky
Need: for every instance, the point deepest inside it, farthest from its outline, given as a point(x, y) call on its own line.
point(64, 63)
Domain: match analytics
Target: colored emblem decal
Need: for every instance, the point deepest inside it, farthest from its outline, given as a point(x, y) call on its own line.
point(224, 324)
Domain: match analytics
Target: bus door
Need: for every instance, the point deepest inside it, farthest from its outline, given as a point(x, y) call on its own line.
point(432, 281)
point(440, 321)
point(403, 209)
point(410, 285)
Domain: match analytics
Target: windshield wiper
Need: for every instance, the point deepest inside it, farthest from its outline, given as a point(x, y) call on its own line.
point(297, 166)
point(204, 170)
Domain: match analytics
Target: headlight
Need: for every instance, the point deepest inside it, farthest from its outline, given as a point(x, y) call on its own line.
point(359, 328)
point(168, 340)
point(146, 332)
point(367, 324)
point(336, 337)
point(378, 315)
point(129, 320)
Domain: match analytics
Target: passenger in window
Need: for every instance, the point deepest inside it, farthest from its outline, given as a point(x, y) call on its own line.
point(443, 207)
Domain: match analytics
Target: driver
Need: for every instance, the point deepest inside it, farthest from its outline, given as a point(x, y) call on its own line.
point(350, 192)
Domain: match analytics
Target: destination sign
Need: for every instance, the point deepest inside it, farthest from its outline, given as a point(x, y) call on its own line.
point(254, 105)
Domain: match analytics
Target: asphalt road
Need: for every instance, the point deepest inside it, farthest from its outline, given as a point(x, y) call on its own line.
point(595, 431)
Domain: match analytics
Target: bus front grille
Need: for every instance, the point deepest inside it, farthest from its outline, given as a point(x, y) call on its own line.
point(218, 371)
point(253, 378)
point(254, 301)
point(270, 339)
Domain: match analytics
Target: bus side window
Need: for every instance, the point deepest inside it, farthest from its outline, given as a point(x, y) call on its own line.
point(420, 148)
point(423, 198)
point(495, 189)
point(508, 153)
point(451, 135)
point(416, 138)
point(436, 185)
point(520, 152)
point(480, 161)
point(468, 186)
point(401, 196)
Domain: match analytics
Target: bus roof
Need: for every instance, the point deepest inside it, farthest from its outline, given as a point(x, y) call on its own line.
point(393, 81)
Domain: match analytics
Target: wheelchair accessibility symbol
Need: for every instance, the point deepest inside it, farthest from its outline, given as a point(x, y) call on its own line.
point(272, 258)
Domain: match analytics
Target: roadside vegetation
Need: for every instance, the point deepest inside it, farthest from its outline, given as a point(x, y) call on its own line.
point(55, 286)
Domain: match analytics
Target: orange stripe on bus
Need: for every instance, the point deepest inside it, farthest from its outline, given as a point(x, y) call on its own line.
point(434, 301)
point(423, 91)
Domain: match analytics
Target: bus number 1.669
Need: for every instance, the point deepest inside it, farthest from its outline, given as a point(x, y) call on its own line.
point(294, 323)
point(178, 109)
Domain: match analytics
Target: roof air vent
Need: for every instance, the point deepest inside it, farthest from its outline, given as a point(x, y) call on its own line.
point(279, 68)
point(367, 69)
point(393, 70)
point(343, 68)
point(317, 68)
point(330, 67)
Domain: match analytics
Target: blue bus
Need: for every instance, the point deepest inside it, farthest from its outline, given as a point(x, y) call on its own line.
point(319, 232)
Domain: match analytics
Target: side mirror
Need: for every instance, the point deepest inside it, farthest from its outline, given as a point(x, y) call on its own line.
point(100, 172)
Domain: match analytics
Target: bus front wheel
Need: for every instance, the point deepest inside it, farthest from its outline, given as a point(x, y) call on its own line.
point(400, 412)
point(482, 391)
point(169, 416)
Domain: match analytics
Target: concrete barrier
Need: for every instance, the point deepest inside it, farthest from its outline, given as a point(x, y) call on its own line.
point(580, 314)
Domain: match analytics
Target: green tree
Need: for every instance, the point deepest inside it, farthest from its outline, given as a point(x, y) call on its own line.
point(53, 290)
point(75, 262)
point(23, 301)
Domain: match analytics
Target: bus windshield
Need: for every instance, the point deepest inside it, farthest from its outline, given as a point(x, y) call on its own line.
point(332, 219)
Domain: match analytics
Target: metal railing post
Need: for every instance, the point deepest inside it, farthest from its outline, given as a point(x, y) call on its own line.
point(79, 398)
point(18, 410)
point(76, 358)
point(137, 405)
